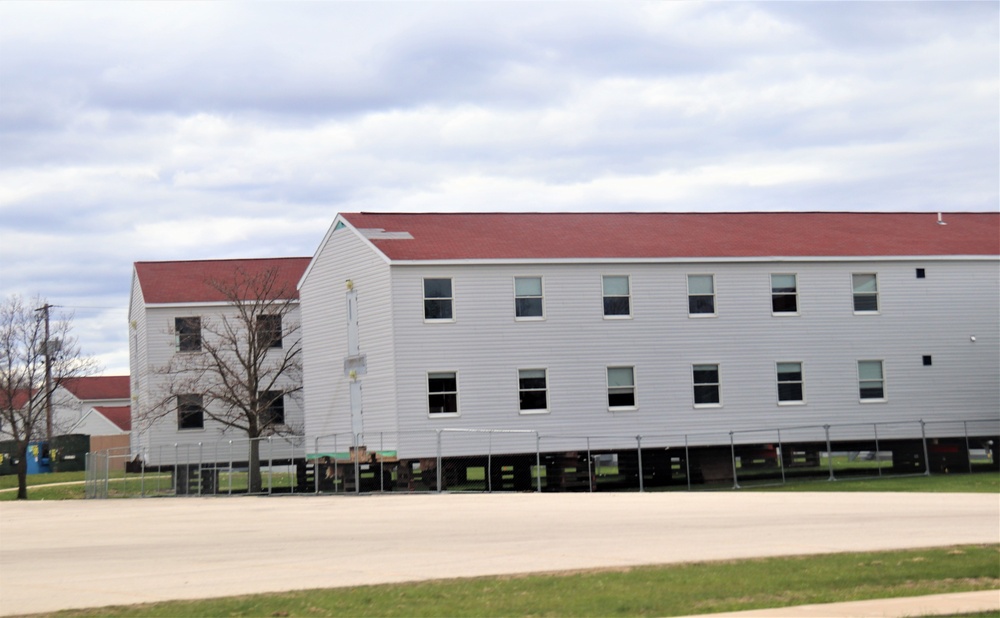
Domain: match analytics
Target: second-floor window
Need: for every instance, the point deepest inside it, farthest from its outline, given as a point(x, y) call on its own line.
point(188, 333)
point(784, 294)
point(528, 298)
point(621, 387)
point(532, 390)
point(707, 387)
point(269, 331)
point(790, 383)
point(865, 292)
point(701, 295)
point(438, 300)
point(871, 380)
point(442, 392)
point(617, 301)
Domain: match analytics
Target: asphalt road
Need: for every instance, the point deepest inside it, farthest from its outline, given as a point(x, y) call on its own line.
point(68, 554)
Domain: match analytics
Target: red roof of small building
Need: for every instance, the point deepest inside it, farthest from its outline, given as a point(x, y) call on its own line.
point(20, 397)
point(91, 388)
point(121, 416)
point(192, 281)
point(499, 236)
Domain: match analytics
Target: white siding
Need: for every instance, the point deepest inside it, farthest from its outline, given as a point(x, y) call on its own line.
point(934, 316)
point(156, 441)
point(323, 294)
point(138, 342)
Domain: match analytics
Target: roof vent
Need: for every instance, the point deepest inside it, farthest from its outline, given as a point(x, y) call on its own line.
point(941, 220)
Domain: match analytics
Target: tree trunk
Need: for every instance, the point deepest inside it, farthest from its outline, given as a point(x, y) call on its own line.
point(22, 470)
point(253, 469)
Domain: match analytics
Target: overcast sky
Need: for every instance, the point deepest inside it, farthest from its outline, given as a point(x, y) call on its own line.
point(183, 130)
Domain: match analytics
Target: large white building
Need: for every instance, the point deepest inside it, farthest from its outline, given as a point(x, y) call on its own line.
point(665, 326)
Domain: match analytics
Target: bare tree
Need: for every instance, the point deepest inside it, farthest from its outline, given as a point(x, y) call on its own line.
point(24, 386)
point(237, 367)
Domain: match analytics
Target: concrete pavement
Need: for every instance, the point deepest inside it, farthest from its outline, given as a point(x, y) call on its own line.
point(67, 554)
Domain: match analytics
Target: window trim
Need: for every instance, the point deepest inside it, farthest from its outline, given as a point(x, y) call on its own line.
point(884, 398)
point(714, 295)
point(622, 316)
point(801, 382)
point(424, 298)
point(548, 402)
point(427, 398)
point(795, 295)
point(607, 389)
point(718, 384)
point(876, 294)
point(529, 318)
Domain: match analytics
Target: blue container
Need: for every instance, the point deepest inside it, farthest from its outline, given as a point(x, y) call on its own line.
point(38, 458)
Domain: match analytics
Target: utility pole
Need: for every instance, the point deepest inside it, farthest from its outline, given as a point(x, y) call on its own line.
point(48, 375)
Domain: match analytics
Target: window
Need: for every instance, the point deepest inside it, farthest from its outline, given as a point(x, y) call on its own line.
point(621, 387)
point(190, 412)
point(706, 385)
point(871, 380)
point(269, 330)
point(701, 295)
point(532, 390)
point(928, 361)
point(616, 296)
point(790, 383)
point(438, 299)
point(921, 273)
point(784, 294)
point(528, 297)
point(273, 404)
point(442, 392)
point(188, 332)
point(865, 293)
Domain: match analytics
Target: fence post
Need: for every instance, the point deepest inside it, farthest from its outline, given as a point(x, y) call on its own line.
point(829, 453)
point(927, 457)
point(687, 462)
point(591, 479)
point(878, 456)
point(316, 465)
point(968, 449)
point(107, 473)
point(177, 472)
point(142, 477)
point(438, 467)
point(781, 459)
point(270, 464)
point(356, 437)
point(732, 451)
point(200, 460)
point(638, 445)
point(381, 461)
point(489, 462)
point(538, 460)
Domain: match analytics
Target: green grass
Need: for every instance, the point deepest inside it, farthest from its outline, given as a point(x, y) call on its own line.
point(10, 480)
point(642, 591)
point(980, 482)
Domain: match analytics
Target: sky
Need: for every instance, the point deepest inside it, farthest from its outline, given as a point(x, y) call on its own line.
point(190, 130)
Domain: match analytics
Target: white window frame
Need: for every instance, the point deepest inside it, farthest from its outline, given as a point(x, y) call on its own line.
point(548, 402)
point(794, 295)
point(714, 295)
point(884, 381)
point(635, 389)
point(876, 294)
point(425, 298)
point(628, 282)
point(718, 384)
point(801, 382)
point(541, 298)
point(427, 397)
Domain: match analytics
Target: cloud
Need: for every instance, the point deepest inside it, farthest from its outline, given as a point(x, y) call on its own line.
point(150, 131)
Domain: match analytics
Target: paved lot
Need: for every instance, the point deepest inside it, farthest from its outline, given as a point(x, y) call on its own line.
point(58, 555)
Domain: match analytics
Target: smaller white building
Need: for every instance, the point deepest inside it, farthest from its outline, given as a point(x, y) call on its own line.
point(170, 303)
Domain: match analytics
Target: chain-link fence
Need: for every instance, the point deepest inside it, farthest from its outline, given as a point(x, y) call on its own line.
point(484, 460)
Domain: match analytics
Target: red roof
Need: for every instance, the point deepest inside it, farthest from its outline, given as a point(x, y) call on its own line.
point(185, 282)
point(498, 236)
point(98, 387)
point(21, 397)
point(121, 416)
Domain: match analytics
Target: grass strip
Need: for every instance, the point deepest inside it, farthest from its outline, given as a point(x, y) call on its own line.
point(641, 591)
